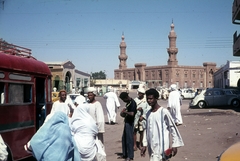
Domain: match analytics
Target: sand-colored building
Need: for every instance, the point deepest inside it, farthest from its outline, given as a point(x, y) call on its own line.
point(165, 75)
point(65, 76)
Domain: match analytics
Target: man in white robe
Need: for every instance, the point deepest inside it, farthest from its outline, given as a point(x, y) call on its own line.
point(111, 101)
point(159, 126)
point(140, 117)
point(61, 104)
point(174, 105)
point(96, 111)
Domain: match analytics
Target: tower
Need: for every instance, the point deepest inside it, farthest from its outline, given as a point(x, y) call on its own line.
point(122, 57)
point(172, 50)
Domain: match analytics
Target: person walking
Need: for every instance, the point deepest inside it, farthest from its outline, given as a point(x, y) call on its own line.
point(96, 112)
point(140, 117)
point(128, 114)
point(174, 105)
point(111, 101)
point(159, 126)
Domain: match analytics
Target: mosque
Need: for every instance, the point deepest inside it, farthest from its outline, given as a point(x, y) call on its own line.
point(165, 75)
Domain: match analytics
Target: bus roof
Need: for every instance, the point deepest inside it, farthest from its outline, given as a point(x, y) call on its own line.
point(22, 63)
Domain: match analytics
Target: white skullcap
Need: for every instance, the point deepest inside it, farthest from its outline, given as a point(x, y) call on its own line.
point(173, 87)
point(92, 89)
point(141, 90)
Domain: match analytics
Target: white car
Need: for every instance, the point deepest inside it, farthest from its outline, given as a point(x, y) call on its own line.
point(215, 97)
point(71, 98)
point(187, 93)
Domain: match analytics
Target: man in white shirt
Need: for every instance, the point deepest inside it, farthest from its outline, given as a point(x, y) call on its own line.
point(159, 126)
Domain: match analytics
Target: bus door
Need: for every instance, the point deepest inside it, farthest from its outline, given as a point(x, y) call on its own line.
point(40, 101)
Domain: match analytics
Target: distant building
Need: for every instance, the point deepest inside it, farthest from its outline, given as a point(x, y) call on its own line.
point(65, 76)
point(236, 20)
point(165, 75)
point(228, 75)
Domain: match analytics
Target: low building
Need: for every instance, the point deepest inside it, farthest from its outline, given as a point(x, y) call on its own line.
point(116, 84)
point(65, 76)
point(228, 75)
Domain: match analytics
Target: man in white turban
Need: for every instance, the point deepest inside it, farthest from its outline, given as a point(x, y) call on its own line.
point(96, 111)
point(174, 105)
point(140, 117)
point(111, 101)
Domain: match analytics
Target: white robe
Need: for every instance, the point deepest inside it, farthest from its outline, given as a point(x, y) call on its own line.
point(153, 138)
point(174, 102)
point(58, 106)
point(145, 107)
point(96, 112)
point(111, 101)
point(3, 150)
point(84, 130)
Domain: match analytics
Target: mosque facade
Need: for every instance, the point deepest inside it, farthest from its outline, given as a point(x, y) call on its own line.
point(165, 75)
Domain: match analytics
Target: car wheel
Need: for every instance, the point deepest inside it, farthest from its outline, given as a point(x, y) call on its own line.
point(201, 104)
point(235, 103)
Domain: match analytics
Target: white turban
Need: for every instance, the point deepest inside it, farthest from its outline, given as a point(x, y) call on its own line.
point(141, 90)
point(92, 89)
point(173, 87)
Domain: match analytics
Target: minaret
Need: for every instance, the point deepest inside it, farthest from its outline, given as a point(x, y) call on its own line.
point(172, 50)
point(123, 57)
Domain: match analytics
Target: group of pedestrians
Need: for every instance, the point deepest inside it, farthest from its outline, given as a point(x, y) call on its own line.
point(154, 123)
point(81, 125)
point(72, 131)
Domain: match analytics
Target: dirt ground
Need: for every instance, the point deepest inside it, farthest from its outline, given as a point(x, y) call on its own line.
point(206, 134)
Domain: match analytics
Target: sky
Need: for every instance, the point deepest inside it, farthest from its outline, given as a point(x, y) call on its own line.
point(88, 32)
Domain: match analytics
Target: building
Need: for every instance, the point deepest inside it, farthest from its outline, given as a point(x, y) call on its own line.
point(65, 76)
point(228, 75)
point(165, 75)
point(236, 20)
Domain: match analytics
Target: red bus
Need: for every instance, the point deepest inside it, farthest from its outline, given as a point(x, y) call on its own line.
point(25, 97)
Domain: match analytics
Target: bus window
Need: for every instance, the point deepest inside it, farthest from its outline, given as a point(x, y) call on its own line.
point(2, 92)
point(19, 93)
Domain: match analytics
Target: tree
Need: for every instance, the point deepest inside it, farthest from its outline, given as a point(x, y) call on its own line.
point(99, 75)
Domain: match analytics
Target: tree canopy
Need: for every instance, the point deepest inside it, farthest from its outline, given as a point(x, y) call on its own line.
point(99, 75)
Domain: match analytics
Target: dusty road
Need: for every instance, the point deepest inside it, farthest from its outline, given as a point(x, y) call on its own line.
point(206, 133)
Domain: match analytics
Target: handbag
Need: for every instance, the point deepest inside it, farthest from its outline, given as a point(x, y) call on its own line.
point(101, 155)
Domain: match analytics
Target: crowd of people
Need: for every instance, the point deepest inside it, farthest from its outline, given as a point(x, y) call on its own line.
point(80, 123)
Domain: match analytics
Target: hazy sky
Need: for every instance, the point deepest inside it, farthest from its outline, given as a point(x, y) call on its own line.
point(88, 32)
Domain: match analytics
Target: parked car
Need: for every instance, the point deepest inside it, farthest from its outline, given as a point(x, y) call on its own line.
point(215, 97)
point(231, 153)
point(187, 93)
